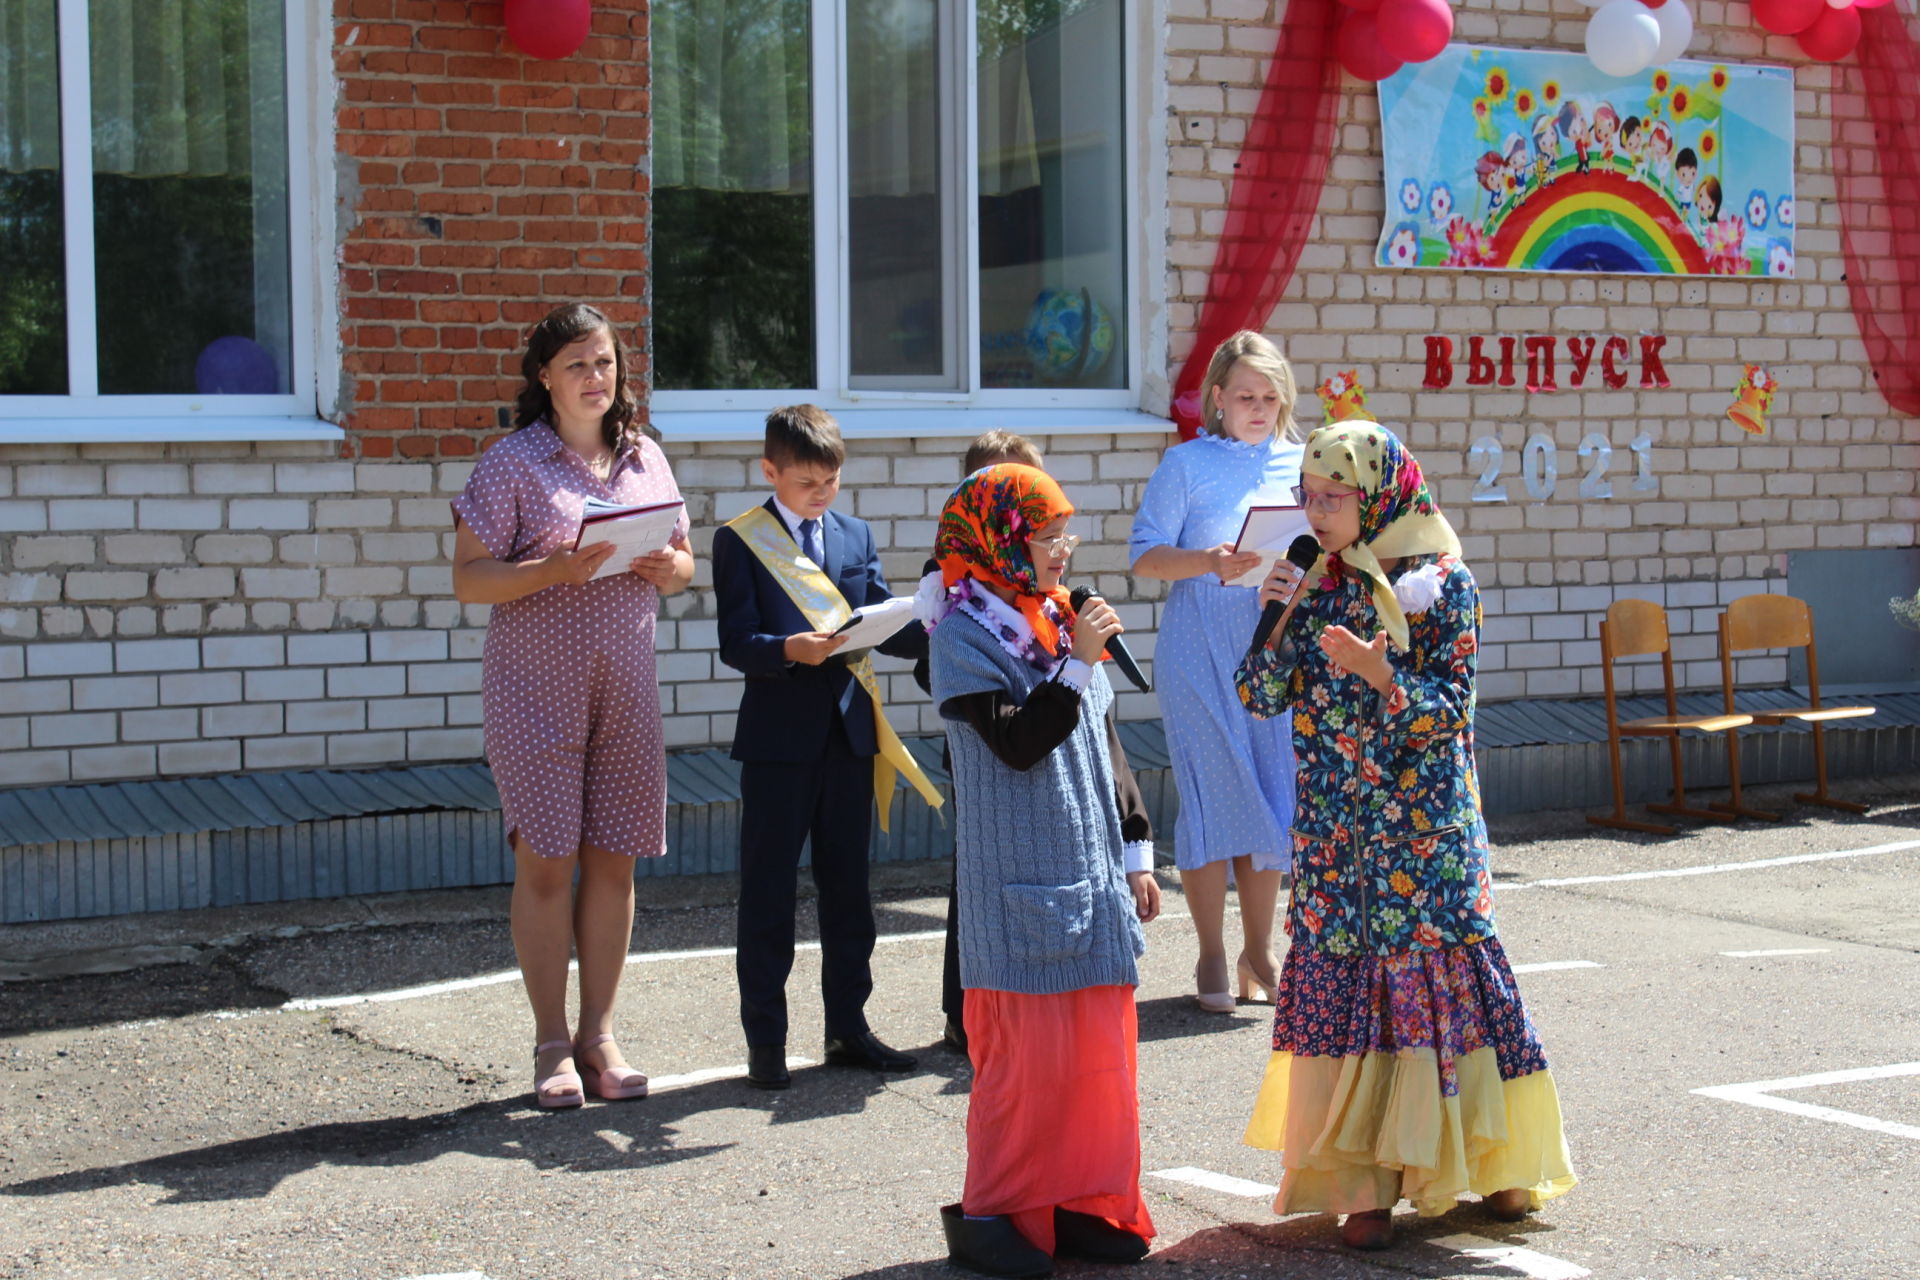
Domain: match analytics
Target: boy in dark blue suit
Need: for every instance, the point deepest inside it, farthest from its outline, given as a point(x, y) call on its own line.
point(806, 738)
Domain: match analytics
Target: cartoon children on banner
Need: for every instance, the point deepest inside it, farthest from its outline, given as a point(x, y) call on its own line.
point(1671, 146)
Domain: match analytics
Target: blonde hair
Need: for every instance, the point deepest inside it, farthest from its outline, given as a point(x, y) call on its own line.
point(1251, 349)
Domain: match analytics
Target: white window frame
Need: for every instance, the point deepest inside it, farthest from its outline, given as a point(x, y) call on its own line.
point(84, 415)
point(866, 412)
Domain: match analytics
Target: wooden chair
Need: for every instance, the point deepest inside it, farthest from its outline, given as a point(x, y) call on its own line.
point(1632, 628)
point(1779, 622)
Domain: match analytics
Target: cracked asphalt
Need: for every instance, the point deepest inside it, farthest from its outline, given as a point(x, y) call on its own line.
point(164, 1113)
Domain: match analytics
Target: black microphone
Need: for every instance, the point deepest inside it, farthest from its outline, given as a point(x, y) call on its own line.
point(1116, 647)
point(1302, 553)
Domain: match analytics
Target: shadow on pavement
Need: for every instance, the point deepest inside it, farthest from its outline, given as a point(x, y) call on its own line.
point(584, 1139)
point(1178, 1018)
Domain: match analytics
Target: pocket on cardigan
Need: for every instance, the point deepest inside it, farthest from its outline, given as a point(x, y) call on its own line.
point(1049, 922)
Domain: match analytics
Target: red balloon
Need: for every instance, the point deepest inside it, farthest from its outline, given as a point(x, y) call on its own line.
point(1358, 45)
point(1868, 4)
point(1833, 35)
point(552, 28)
point(1415, 30)
point(1788, 17)
point(1368, 6)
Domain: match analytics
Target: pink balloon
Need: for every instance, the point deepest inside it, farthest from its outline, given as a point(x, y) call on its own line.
point(1833, 35)
point(1787, 17)
point(549, 28)
point(1868, 4)
point(1415, 30)
point(1360, 49)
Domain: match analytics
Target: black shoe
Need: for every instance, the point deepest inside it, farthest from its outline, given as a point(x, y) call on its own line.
point(767, 1066)
point(1081, 1235)
point(991, 1246)
point(955, 1037)
point(865, 1050)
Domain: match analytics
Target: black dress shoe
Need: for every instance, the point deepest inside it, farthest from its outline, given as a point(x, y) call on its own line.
point(1081, 1235)
point(955, 1036)
point(991, 1246)
point(865, 1050)
point(767, 1066)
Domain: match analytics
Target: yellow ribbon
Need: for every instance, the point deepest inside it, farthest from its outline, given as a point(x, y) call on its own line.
point(814, 594)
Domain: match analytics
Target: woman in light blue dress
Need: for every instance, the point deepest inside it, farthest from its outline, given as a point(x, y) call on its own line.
point(1235, 773)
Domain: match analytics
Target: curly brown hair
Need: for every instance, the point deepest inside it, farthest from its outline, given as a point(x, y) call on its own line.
point(565, 324)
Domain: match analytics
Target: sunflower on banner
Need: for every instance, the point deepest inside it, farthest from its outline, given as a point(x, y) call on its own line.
point(1548, 164)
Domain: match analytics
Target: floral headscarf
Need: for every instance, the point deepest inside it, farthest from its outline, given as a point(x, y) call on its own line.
point(983, 536)
point(1398, 516)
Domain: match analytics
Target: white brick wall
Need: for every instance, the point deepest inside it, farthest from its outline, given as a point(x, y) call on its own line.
point(199, 608)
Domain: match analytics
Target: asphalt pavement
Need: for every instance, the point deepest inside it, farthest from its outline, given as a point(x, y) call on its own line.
point(341, 1089)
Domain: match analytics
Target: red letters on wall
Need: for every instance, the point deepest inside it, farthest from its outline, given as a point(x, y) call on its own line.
point(1496, 368)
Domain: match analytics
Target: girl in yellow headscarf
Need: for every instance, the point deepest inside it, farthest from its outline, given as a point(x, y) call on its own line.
point(1404, 1064)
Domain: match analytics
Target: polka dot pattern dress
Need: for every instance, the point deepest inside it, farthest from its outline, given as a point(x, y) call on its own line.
point(570, 699)
point(1234, 773)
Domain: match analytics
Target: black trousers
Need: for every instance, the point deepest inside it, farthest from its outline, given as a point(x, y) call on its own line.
point(781, 805)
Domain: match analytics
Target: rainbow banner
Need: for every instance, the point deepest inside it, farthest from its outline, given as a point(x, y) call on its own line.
point(1520, 160)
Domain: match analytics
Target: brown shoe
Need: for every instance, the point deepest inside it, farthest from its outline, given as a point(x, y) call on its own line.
point(1370, 1230)
point(1510, 1205)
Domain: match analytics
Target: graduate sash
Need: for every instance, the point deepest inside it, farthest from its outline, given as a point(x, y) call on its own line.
point(814, 594)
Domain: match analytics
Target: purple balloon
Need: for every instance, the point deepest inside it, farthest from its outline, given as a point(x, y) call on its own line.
point(235, 366)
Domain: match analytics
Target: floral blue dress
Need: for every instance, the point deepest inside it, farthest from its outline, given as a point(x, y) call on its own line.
point(1234, 774)
point(1397, 1007)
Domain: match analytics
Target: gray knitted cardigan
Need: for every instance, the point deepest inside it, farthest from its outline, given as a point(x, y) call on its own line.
point(1044, 902)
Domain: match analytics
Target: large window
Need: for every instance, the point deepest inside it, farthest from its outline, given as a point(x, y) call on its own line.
point(148, 212)
point(908, 199)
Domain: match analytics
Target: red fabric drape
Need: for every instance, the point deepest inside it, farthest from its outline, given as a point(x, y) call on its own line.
point(1276, 188)
point(1876, 165)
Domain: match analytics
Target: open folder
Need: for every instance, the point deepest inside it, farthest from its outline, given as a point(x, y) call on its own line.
point(873, 624)
point(633, 531)
point(1270, 531)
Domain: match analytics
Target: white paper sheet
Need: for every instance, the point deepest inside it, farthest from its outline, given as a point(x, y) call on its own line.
point(633, 531)
point(871, 624)
point(1270, 531)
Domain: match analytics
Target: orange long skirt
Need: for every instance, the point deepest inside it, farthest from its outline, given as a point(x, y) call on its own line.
point(1054, 1119)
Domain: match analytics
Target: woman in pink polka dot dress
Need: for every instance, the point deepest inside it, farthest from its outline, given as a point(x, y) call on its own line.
point(570, 699)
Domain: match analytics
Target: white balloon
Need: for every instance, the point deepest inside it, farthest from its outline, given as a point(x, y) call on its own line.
point(1839, 4)
point(1622, 37)
point(1676, 30)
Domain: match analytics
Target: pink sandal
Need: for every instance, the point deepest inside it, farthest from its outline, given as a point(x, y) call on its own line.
point(546, 1089)
point(614, 1084)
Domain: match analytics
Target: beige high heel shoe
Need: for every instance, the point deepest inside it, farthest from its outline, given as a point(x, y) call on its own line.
point(1251, 981)
point(1211, 1001)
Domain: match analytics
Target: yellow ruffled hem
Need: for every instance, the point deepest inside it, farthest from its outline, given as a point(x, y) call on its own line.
point(1366, 1132)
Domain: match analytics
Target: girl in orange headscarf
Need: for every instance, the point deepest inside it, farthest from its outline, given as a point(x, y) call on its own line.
point(1055, 881)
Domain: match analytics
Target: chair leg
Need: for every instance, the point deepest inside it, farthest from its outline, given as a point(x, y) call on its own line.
point(1819, 794)
point(1734, 805)
point(1678, 806)
point(1618, 819)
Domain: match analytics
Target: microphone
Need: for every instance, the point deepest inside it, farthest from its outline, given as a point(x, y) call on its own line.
point(1303, 552)
point(1116, 647)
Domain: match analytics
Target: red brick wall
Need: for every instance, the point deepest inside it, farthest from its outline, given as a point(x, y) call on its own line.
point(482, 187)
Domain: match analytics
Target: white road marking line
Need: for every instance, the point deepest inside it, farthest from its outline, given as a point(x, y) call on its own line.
point(1714, 868)
point(1778, 951)
point(1217, 1182)
point(661, 1084)
point(513, 975)
point(1528, 1262)
point(1759, 1093)
point(1508, 1257)
point(1549, 966)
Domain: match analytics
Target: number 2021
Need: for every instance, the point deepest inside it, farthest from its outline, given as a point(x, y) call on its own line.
point(1540, 467)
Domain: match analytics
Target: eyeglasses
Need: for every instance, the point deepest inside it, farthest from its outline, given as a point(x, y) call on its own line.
point(1060, 546)
point(1327, 502)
